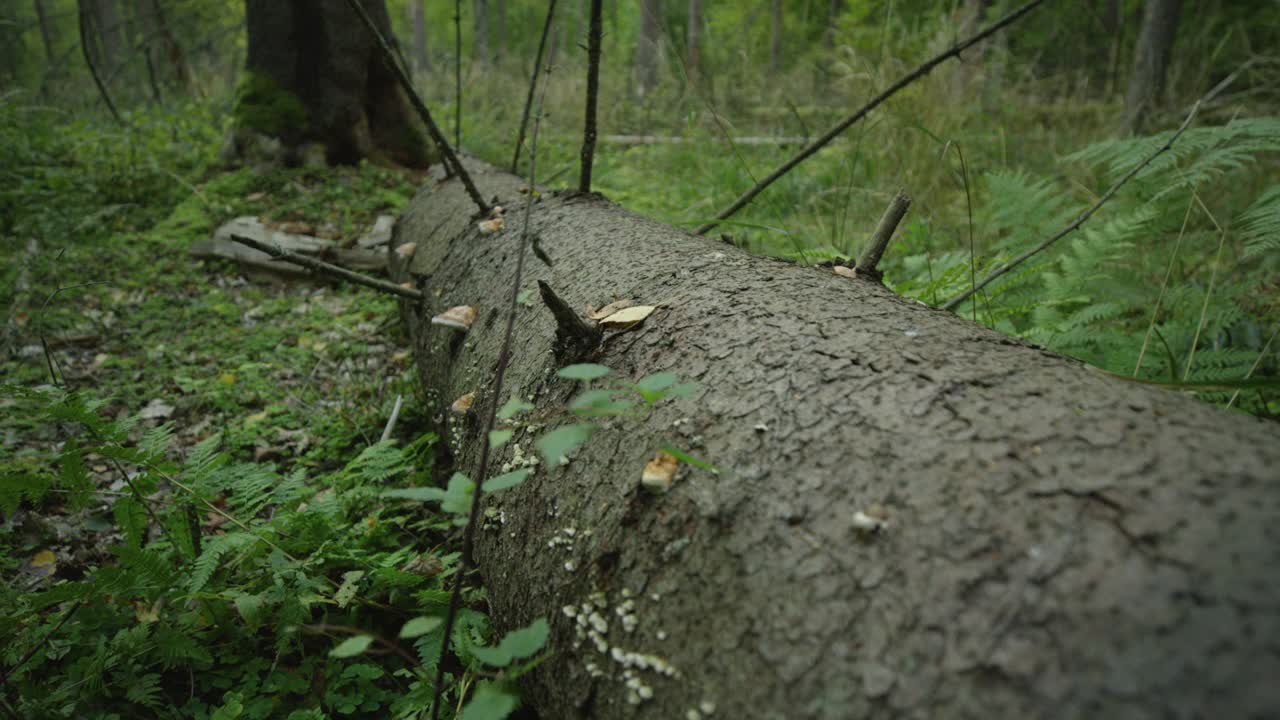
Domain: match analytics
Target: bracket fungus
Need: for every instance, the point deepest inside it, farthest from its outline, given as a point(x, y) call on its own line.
point(459, 317)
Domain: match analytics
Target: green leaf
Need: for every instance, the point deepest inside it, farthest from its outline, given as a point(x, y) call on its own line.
point(352, 646)
point(250, 608)
point(420, 626)
point(347, 590)
point(489, 702)
point(507, 480)
point(558, 443)
point(657, 382)
point(514, 407)
point(421, 494)
point(498, 438)
point(594, 403)
point(457, 499)
point(584, 371)
point(516, 645)
point(685, 457)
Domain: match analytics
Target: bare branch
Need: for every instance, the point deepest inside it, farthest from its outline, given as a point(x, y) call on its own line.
point(593, 96)
point(504, 358)
point(1075, 224)
point(450, 158)
point(332, 270)
point(533, 85)
point(875, 102)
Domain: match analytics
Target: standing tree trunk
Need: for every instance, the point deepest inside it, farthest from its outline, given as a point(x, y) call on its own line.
point(1059, 544)
point(106, 17)
point(647, 45)
point(480, 12)
point(693, 41)
point(316, 87)
point(46, 31)
point(500, 11)
point(1150, 61)
point(833, 17)
point(420, 57)
point(775, 37)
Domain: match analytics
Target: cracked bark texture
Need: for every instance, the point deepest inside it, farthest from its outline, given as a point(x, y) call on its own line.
point(1061, 544)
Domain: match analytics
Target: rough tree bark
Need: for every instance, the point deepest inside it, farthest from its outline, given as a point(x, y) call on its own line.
point(316, 88)
point(1150, 60)
point(1060, 543)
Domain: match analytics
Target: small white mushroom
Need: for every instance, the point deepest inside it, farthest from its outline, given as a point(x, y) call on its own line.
point(871, 519)
point(406, 250)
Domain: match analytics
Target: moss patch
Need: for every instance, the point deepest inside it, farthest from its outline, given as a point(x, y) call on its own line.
point(263, 106)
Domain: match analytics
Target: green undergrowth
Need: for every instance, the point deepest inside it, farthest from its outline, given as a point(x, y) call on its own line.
point(191, 478)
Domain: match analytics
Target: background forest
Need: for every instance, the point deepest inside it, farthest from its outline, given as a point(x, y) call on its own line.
point(261, 395)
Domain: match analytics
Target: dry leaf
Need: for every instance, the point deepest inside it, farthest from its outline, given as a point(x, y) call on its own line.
point(158, 409)
point(659, 472)
point(254, 197)
point(458, 317)
point(843, 271)
point(609, 309)
point(490, 226)
point(627, 317)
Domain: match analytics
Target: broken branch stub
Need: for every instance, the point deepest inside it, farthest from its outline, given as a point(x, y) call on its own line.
point(575, 338)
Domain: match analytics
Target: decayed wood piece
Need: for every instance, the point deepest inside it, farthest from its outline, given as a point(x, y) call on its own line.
point(365, 256)
point(915, 516)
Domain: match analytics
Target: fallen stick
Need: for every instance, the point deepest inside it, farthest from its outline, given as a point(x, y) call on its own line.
point(332, 270)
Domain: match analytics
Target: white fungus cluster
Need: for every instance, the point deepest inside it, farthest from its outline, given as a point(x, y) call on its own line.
point(705, 709)
point(520, 460)
point(592, 624)
point(564, 540)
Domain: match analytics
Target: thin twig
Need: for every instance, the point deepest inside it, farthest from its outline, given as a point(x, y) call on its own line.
point(879, 240)
point(4, 679)
point(593, 96)
point(504, 356)
point(533, 85)
point(1257, 361)
point(831, 134)
point(326, 628)
point(457, 73)
point(1075, 224)
point(85, 34)
point(391, 422)
point(450, 158)
point(321, 266)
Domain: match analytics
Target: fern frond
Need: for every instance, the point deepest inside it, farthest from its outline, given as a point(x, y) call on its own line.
point(211, 557)
point(1260, 224)
point(156, 441)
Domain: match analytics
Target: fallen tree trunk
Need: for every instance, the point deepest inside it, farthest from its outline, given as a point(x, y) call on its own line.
point(1059, 543)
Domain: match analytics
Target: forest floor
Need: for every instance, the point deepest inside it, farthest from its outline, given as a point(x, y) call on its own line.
point(243, 405)
point(190, 452)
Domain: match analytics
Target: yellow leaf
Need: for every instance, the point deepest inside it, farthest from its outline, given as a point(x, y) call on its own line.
point(227, 378)
point(44, 558)
point(627, 317)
